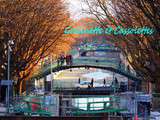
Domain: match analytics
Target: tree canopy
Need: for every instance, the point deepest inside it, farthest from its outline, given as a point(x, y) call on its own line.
point(141, 51)
point(36, 28)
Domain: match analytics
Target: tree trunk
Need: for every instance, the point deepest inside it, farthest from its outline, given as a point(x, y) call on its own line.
point(19, 87)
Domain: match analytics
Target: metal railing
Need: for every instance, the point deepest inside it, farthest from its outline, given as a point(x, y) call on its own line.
point(34, 105)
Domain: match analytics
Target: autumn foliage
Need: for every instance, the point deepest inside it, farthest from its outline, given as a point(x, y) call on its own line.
point(141, 51)
point(36, 28)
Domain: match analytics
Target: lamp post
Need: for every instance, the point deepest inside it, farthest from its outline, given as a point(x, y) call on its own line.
point(8, 76)
point(9, 43)
point(51, 75)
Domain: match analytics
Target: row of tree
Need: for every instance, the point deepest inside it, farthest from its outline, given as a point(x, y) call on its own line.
point(141, 51)
point(36, 28)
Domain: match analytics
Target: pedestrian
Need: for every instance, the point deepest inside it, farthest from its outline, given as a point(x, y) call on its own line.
point(62, 59)
point(128, 69)
point(92, 81)
point(116, 84)
point(79, 80)
point(58, 61)
point(79, 51)
point(67, 59)
point(104, 82)
point(116, 80)
point(120, 63)
point(70, 59)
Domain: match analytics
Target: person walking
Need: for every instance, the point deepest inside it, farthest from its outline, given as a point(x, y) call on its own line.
point(79, 81)
point(116, 84)
point(58, 61)
point(92, 81)
point(104, 82)
point(128, 69)
point(70, 59)
point(62, 59)
point(120, 64)
point(67, 59)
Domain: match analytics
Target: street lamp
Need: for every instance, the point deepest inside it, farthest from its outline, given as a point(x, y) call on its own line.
point(51, 74)
point(9, 43)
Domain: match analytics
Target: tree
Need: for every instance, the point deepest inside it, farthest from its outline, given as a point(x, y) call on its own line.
point(36, 27)
point(141, 51)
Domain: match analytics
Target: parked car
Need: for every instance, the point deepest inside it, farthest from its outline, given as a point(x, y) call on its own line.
point(85, 84)
point(97, 84)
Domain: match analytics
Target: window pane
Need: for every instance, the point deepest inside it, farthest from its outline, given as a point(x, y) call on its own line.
point(83, 100)
point(98, 99)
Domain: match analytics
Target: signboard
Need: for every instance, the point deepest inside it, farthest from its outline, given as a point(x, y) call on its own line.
point(6, 82)
point(144, 98)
